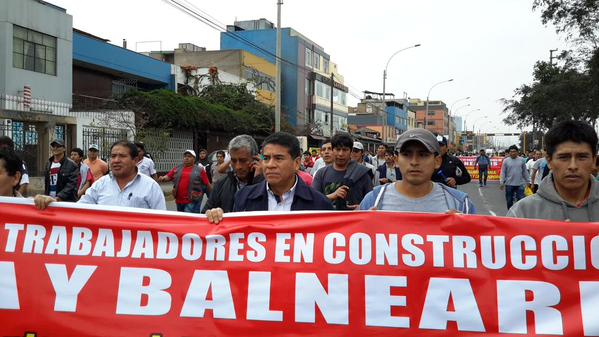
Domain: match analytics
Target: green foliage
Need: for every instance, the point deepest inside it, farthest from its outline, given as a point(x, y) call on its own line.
point(556, 94)
point(578, 19)
point(228, 108)
point(569, 91)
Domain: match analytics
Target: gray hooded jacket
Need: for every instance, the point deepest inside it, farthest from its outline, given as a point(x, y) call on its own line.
point(548, 204)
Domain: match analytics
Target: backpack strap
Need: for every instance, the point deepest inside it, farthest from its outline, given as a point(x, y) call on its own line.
point(379, 197)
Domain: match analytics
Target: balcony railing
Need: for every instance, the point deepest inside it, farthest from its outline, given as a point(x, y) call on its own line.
point(17, 103)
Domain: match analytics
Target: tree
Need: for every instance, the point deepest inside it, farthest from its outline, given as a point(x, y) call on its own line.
point(578, 19)
point(556, 94)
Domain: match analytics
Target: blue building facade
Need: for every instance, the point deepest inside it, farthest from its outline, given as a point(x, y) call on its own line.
point(97, 55)
point(397, 115)
point(304, 72)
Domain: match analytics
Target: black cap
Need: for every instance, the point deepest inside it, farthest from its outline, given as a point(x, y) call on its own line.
point(57, 142)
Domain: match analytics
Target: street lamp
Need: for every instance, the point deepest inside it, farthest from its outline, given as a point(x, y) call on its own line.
point(453, 104)
point(467, 114)
point(427, 97)
point(384, 88)
point(450, 115)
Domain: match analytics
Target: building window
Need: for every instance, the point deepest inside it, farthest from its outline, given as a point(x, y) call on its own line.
point(33, 51)
point(325, 64)
point(309, 57)
point(431, 113)
point(430, 122)
point(316, 61)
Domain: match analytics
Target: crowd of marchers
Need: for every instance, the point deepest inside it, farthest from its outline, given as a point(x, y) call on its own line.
point(417, 176)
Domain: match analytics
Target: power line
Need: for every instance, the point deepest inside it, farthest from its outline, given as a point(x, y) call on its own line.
point(177, 4)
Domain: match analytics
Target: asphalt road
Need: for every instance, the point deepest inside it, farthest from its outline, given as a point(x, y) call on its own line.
point(489, 200)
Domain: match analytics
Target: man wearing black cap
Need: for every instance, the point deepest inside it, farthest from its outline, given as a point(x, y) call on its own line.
point(61, 174)
point(452, 171)
point(419, 157)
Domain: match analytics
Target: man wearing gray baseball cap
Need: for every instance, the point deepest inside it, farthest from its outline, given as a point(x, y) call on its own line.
point(419, 157)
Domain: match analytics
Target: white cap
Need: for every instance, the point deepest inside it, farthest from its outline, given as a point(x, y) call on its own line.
point(359, 146)
point(191, 152)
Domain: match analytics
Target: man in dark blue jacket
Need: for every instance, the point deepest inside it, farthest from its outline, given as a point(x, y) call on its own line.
point(282, 189)
point(389, 172)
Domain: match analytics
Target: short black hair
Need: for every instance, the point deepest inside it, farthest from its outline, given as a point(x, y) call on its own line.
point(7, 141)
point(575, 131)
point(140, 145)
point(287, 140)
point(12, 163)
point(220, 152)
point(342, 139)
point(78, 150)
point(389, 152)
point(513, 147)
point(125, 143)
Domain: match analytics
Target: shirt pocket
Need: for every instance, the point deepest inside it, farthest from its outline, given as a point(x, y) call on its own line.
point(138, 202)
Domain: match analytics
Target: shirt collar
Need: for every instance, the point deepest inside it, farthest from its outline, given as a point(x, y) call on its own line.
point(137, 177)
point(278, 198)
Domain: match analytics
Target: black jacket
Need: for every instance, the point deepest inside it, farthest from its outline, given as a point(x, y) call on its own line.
point(305, 198)
point(451, 167)
point(223, 192)
point(383, 172)
point(66, 185)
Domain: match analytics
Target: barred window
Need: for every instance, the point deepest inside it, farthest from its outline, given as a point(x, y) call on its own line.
point(33, 51)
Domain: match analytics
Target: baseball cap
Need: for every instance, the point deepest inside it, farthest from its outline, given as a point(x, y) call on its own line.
point(94, 147)
point(359, 146)
point(57, 142)
point(191, 152)
point(423, 136)
point(442, 140)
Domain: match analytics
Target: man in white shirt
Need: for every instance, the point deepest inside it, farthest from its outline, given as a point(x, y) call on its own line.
point(326, 157)
point(145, 165)
point(357, 155)
point(124, 186)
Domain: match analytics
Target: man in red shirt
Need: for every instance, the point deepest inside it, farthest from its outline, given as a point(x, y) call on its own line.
point(190, 183)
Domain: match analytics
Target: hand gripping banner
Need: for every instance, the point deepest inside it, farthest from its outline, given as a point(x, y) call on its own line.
point(75, 271)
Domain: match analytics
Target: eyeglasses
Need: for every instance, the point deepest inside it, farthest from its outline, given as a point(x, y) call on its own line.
point(356, 150)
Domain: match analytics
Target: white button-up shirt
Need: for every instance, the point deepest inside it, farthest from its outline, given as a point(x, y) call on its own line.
point(276, 203)
point(141, 192)
point(146, 166)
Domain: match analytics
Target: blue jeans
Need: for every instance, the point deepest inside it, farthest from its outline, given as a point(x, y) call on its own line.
point(193, 207)
point(483, 173)
point(512, 192)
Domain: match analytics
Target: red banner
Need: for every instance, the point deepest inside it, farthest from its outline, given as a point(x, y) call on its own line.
point(70, 271)
point(494, 168)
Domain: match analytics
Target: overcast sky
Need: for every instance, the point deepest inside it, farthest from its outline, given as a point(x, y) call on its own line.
point(487, 46)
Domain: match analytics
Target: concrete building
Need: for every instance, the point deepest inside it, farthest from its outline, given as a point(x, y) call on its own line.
point(102, 72)
point(306, 75)
point(438, 116)
point(396, 119)
point(36, 42)
point(233, 66)
point(459, 123)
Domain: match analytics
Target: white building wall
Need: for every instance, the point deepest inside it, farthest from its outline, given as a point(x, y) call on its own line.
point(45, 19)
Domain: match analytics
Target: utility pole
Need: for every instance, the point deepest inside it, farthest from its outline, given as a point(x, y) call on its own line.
point(278, 68)
point(551, 51)
point(332, 86)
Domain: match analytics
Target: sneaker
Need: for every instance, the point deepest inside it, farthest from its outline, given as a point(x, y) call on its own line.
point(480, 185)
